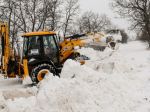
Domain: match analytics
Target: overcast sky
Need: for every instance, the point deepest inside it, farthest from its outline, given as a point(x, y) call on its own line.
point(101, 7)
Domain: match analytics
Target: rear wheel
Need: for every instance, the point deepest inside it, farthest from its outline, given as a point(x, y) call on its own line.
point(38, 72)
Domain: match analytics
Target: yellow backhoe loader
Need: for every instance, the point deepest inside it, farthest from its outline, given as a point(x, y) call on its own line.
point(42, 53)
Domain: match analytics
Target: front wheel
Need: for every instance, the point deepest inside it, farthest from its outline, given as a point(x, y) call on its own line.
point(38, 72)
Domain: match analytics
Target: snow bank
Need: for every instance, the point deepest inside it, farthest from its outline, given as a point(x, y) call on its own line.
point(73, 70)
point(111, 81)
point(108, 61)
point(21, 104)
point(65, 95)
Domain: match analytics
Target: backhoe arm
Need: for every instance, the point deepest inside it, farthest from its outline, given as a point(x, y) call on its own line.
point(5, 45)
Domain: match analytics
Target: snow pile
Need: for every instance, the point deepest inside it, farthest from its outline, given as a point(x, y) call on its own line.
point(17, 104)
point(73, 70)
point(108, 61)
point(64, 95)
point(20, 104)
point(111, 81)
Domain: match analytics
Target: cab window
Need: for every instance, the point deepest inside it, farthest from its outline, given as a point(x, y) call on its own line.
point(25, 46)
point(34, 45)
point(50, 47)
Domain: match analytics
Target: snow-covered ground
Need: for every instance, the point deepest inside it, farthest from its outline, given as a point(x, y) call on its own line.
point(111, 81)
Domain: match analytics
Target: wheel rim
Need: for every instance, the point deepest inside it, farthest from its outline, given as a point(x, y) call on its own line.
point(42, 74)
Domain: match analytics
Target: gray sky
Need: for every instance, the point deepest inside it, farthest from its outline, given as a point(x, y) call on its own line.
point(103, 7)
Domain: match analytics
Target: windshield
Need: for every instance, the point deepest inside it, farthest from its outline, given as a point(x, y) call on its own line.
point(50, 47)
point(32, 45)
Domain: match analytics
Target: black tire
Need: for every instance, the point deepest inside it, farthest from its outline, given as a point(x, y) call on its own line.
point(40, 67)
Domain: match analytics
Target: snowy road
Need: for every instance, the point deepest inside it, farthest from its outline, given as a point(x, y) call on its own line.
point(111, 81)
point(9, 84)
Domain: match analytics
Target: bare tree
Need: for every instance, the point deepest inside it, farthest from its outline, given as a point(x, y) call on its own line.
point(8, 13)
point(52, 14)
point(30, 15)
point(91, 22)
point(71, 8)
point(137, 11)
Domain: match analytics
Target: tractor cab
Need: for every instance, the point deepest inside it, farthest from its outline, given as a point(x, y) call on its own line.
point(41, 48)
